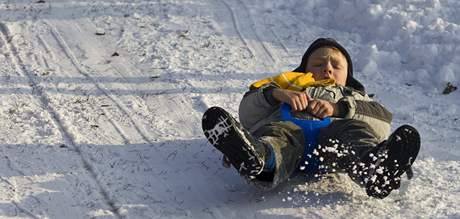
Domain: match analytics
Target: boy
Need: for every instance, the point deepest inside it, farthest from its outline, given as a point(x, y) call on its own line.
point(267, 149)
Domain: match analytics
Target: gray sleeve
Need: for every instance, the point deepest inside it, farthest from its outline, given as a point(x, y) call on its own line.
point(365, 109)
point(257, 105)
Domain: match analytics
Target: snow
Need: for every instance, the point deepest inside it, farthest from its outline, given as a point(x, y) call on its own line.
point(88, 133)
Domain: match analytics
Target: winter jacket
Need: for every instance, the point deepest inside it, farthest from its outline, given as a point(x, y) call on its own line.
point(258, 107)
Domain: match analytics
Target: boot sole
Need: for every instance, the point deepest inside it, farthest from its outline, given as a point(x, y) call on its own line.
point(227, 136)
point(404, 148)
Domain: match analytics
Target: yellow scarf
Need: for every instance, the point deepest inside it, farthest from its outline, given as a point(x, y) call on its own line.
point(296, 81)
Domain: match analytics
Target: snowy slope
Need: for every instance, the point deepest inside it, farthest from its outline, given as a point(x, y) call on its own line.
point(101, 103)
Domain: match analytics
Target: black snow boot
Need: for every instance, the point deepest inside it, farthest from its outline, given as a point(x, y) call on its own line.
point(390, 160)
point(244, 152)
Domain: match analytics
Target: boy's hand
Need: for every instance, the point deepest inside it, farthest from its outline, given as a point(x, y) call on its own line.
point(297, 100)
point(322, 108)
point(300, 101)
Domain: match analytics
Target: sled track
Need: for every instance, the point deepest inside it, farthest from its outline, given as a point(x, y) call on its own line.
point(37, 90)
point(117, 71)
point(8, 163)
point(237, 29)
point(14, 188)
point(266, 50)
point(47, 48)
point(64, 46)
point(286, 50)
point(292, 19)
point(6, 38)
point(259, 47)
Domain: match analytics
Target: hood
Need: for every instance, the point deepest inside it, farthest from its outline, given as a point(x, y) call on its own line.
point(324, 42)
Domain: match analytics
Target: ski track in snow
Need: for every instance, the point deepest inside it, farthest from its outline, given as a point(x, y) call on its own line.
point(110, 125)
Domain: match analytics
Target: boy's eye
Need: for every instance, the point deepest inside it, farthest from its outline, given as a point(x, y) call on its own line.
point(337, 65)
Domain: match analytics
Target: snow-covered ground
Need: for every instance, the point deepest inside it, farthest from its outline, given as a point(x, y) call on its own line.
point(101, 103)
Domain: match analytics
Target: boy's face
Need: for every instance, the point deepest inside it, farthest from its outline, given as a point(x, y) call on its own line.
point(327, 62)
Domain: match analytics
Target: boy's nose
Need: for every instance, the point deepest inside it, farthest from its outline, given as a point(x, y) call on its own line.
point(327, 69)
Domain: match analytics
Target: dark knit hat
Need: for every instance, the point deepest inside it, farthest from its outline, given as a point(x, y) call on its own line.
point(329, 42)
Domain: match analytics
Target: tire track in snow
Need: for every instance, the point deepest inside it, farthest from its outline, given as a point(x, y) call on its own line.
point(69, 53)
point(38, 91)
